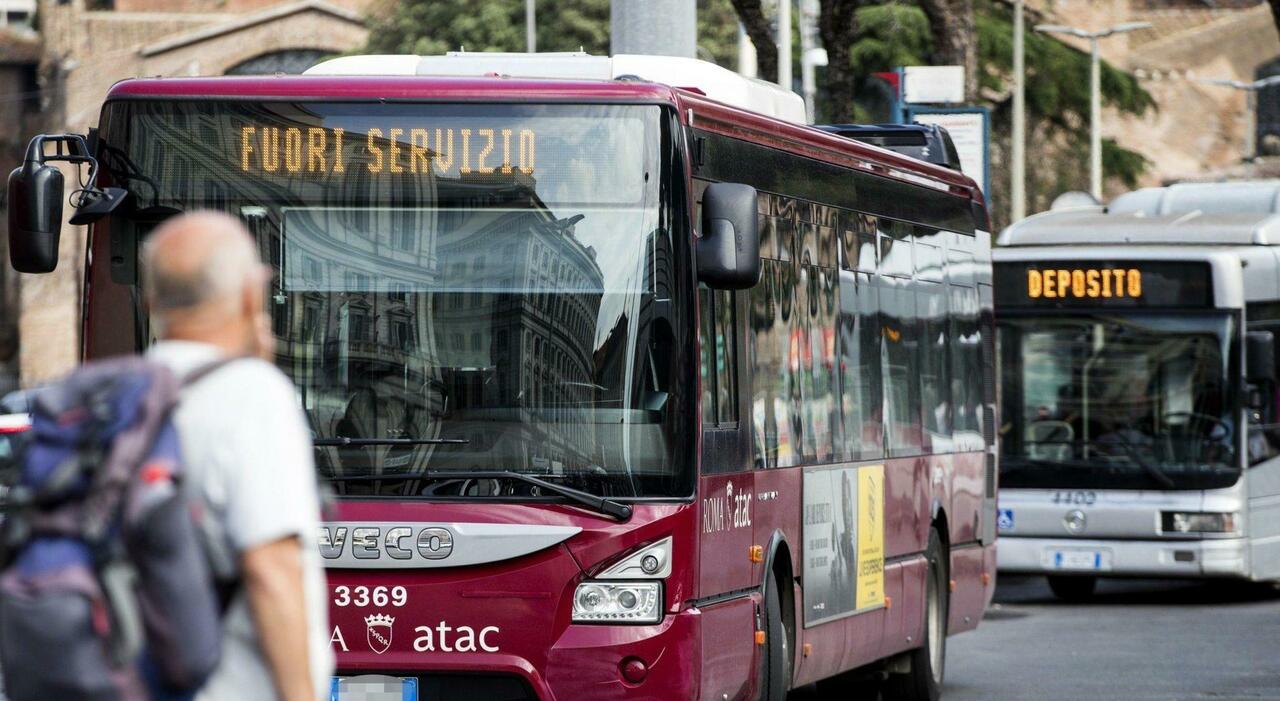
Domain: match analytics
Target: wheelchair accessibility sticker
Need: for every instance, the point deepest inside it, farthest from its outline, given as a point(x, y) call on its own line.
point(1004, 519)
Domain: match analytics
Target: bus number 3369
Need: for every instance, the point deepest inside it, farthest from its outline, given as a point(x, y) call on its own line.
point(364, 596)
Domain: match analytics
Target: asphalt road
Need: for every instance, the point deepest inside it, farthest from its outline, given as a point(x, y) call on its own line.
point(1135, 641)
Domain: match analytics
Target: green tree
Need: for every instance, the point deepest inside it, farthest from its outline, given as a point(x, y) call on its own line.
point(838, 28)
point(893, 34)
point(862, 37)
point(951, 23)
point(432, 27)
point(1057, 90)
point(759, 28)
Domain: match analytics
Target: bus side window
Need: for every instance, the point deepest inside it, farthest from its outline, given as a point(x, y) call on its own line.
point(726, 358)
point(901, 354)
point(719, 357)
point(706, 332)
point(717, 338)
point(932, 309)
point(1263, 437)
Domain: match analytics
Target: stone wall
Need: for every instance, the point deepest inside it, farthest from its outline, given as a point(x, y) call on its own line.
point(1197, 129)
point(86, 51)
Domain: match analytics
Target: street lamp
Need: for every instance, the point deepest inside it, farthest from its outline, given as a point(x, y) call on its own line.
point(1095, 90)
point(784, 44)
point(1018, 155)
point(530, 26)
point(1251, 90)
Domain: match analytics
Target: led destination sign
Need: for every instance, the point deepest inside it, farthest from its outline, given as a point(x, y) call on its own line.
point(394, 154)
point(449, 151)
point(1084, 282)
point(1078, 284)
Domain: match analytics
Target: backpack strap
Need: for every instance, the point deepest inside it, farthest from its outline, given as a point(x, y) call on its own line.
point(208, 368)
point(222, 563)
point(101, 508)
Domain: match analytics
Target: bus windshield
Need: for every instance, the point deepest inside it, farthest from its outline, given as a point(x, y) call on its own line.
point(473, 288)
point(1118, 401)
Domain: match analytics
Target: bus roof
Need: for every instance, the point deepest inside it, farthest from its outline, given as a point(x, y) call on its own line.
point(693, 74)
point(323, 87)
point(1216, 214)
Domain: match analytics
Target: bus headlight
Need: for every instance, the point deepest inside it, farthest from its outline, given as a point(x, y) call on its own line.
point(1198, 522)
point(618, 602)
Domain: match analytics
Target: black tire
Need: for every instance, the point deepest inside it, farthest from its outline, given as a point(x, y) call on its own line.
point(1073, 589)
point(777, 662)
point(928, 662)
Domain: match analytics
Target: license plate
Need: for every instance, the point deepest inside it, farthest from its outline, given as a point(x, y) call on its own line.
point(373, 687)
point(1077, 559)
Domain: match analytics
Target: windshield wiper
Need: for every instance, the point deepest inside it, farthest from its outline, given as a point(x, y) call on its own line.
point(357, 442)
point(603, 505)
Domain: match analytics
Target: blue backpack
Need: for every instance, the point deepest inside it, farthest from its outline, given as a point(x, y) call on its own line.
point(112, 578)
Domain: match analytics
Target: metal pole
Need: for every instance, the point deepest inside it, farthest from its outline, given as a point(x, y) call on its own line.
point(807, 87)
point(1095, 122)
point(1018, 187)
point(657, 27)
point(784, 43)
point(530, 26)
point(1251, 125)
point(1095, 91)
point(746, 54)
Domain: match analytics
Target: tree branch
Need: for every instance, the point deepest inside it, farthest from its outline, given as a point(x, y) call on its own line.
point(838, 27)
point(955, 41)
point(760, 31)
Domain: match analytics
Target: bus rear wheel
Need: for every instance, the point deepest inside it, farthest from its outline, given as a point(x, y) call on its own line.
point(1070, 588)
point(776, 667)
point(928, 662)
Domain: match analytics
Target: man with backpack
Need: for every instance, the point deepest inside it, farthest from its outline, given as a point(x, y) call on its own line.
point(159, 544)
point(248, 454)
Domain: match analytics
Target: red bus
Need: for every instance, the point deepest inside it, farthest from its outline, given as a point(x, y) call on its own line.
point(623, 391)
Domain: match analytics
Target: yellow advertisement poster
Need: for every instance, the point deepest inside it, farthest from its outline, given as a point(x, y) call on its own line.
point(843, 541)
point(870, 588)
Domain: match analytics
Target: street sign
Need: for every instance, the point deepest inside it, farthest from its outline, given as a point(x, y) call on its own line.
point(970, 129)
point(932, 85)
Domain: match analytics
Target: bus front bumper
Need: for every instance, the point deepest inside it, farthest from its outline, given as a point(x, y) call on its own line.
point(1227, 557)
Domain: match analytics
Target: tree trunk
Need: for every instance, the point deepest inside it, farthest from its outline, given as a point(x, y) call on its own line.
point(838, 27)
point(760, 31)
point(955, 41)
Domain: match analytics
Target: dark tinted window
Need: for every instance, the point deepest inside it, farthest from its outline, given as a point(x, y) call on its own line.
point(860, 390)
point(706, 342)
point(935, 370)
point(719, 356)
point(901, 367)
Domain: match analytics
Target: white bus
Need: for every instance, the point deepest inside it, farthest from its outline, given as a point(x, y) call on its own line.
point(1140, 431)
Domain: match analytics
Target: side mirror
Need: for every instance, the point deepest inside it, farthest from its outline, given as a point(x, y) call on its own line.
point(728, 251)
point(1259, 357)
point(35, 212)
point(35, 201)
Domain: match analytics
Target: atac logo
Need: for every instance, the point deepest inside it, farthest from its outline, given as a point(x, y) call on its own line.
point(378, 632)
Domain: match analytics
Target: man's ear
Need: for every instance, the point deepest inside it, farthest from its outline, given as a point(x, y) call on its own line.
point(251, 300)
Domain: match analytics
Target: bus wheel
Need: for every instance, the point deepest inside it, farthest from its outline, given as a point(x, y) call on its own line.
point(928, 662)
point(776, 677)
point(1072, 588)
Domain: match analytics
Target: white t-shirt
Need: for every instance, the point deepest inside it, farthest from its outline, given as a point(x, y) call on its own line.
point(247, 451)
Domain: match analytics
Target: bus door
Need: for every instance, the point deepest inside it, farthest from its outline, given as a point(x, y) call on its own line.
point(1263, 449)
point(727, 574)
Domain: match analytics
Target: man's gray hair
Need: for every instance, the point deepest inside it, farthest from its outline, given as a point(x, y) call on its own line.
point(215, 268)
